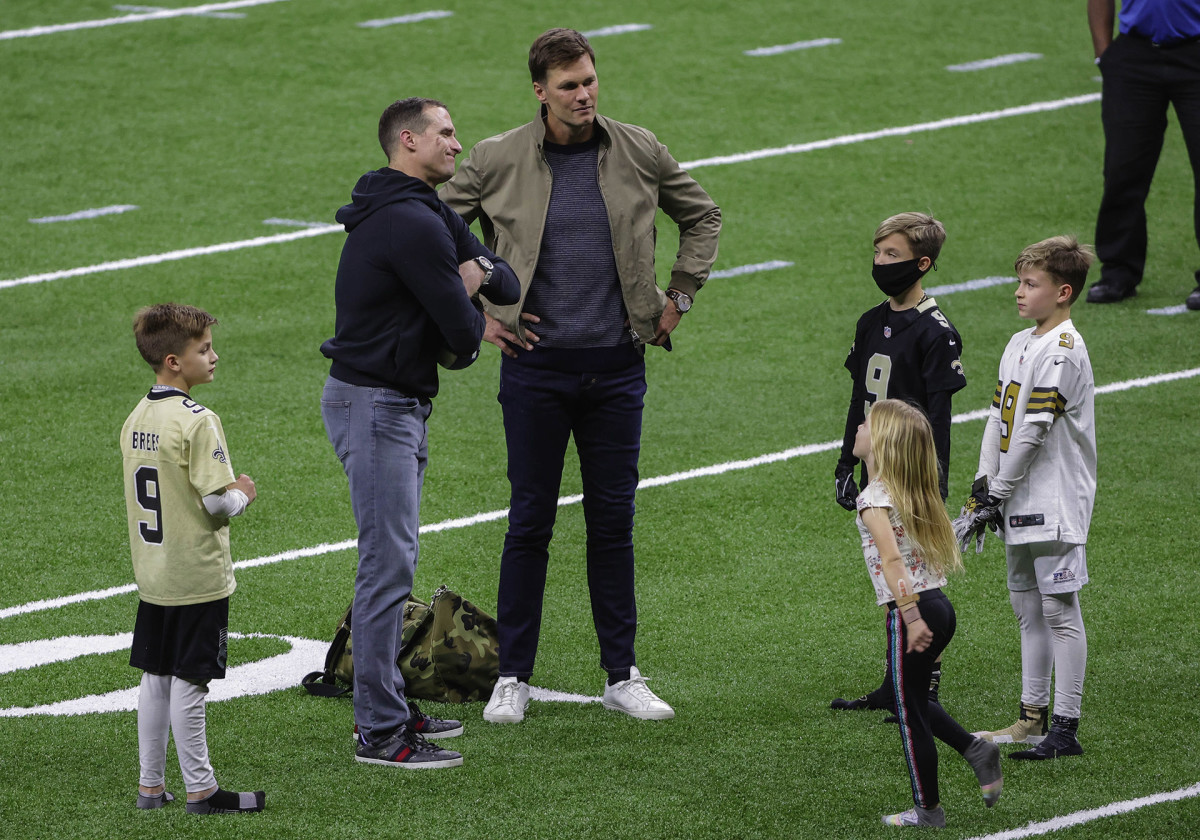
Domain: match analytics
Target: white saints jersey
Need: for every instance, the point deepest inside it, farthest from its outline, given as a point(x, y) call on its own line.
point(175, 455)
point(1046, 393)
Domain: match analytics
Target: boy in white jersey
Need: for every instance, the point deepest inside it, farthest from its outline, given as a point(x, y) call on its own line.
point(1037, 483)
point(180, 493)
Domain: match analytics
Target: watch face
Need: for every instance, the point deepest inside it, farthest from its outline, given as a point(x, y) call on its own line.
point(484, 263)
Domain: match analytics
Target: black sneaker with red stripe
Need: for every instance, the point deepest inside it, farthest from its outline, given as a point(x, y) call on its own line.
point(408, 749)
point(432, 727)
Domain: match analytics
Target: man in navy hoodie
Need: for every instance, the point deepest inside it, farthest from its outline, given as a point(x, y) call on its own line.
point(406, 293)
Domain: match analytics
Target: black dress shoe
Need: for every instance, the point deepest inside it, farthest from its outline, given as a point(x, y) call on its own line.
point(1111, 293)
point(1193, 300)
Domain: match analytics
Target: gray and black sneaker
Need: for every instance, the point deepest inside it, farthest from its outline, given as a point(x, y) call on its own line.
point(407, 749)
point(432, 727)
point(984, 758)
point(918, 817)
point(1059, 743)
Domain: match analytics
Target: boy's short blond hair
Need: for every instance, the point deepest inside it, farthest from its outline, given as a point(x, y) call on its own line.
point(1063, 259)
point(925, 234)
point(166, 328)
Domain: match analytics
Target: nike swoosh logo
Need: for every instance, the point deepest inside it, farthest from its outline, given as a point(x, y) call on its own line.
point(1059, 361)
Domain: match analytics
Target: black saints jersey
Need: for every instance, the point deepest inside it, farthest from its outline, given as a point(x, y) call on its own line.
point(912, 355)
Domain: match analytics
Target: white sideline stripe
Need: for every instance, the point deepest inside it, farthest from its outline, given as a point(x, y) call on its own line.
point(138, 18)
point(799, 45)
point(970, 285)
point(998, 61)
point(739, 270)
point(491, 516)
point(621, 29)
point(152, 259)
point(1081, 817)
point(1178, 309)
point(552, 696)
point(95, 212)
point(898, 131)
point(294, 223)
point(845, 140)
point(221, 15)
point(413, 18)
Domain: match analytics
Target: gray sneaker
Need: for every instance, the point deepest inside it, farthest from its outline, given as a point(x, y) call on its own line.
point(407, 749)
point(918, 817)
point(984, 758)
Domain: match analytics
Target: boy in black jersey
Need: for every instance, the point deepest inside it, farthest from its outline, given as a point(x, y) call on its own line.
point(904, 348)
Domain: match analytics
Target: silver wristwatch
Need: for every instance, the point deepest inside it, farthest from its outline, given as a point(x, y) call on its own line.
point(683, 301)
point(487, 267)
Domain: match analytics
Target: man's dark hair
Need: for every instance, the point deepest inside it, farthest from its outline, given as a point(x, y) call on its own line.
point(411, 113)
point(557, 48)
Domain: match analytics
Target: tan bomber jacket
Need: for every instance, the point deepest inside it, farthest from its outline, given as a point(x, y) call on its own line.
point(505, 183)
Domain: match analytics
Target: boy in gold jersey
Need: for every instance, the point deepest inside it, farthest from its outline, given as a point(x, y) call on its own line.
point(180, 493)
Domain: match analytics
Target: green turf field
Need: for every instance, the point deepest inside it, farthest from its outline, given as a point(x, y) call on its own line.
point(755, 609)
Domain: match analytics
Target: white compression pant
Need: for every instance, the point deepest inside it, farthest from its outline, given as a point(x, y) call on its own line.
point(168, 704)
point(1052, 641)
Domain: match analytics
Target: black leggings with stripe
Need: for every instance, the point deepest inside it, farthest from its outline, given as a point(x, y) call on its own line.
point(920, 720)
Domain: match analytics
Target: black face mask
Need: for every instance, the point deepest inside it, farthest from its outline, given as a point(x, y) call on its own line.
point(894, 279)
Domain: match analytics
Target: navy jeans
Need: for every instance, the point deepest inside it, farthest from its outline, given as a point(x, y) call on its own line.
point(542, 410)
point(379, 436)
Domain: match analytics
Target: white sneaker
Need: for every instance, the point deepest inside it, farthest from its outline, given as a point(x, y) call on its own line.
point(634, 698)
point(510, 699)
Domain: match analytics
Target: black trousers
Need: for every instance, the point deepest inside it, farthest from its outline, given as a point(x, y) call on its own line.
point(920, 720)
point(1140, 82)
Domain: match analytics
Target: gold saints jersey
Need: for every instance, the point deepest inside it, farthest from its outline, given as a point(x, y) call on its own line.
point(175, 455)
point(1040, 439)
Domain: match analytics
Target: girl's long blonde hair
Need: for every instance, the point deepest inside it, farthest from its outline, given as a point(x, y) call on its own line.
point(906, 463)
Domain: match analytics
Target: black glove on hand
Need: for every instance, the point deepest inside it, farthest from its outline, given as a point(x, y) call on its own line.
point(844, 488)
point(982, 511)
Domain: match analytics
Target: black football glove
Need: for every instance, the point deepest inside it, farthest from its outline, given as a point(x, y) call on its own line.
point(982, 511)
point(844, 488)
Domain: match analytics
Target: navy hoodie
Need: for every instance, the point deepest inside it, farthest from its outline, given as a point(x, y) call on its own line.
point(399, 295)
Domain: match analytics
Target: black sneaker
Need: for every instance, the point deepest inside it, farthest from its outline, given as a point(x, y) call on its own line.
point(432, 727)
point(407, 749)
point(1059, 743)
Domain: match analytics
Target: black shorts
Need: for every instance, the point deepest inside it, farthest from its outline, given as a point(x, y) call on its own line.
point(189, 641)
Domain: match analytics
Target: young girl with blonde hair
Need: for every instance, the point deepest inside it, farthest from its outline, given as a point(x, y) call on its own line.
point(909, 546)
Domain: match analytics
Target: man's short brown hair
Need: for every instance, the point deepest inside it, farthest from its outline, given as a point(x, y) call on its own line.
point(557, 48)
point(1063, 259)
point(166, 328)
point(411, 113)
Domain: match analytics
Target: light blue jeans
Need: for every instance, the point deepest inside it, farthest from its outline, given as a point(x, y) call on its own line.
point(379, 436)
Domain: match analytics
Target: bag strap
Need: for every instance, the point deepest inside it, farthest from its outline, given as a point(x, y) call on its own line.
point(325, 683)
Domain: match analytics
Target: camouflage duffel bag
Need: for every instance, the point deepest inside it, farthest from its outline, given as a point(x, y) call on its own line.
point(449, 652)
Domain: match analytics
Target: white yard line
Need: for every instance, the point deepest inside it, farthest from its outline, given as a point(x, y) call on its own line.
point(93, 213)
point(221, 15)
point(152, 259)
point(1081, 817)
point(988, 63)
point(416, 17)
point(491, 516)
point(754, 268)
point(188, 11)
point(1178, 309)
point(844, 140)
point(620, 29)
point(898, 131)
point(786, 48)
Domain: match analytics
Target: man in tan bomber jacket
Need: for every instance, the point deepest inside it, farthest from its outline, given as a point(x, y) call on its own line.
point(569, 201)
